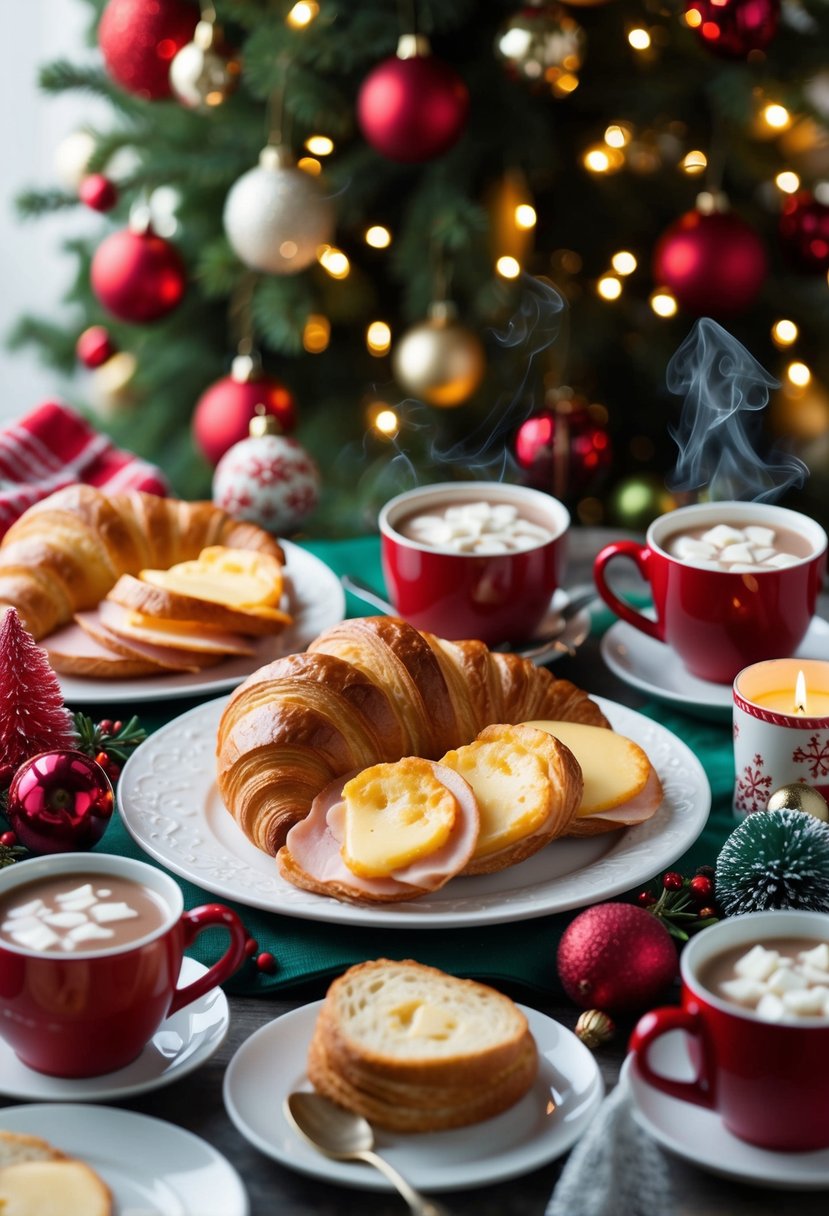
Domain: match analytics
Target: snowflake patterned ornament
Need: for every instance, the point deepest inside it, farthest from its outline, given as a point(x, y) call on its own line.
point(268, 479)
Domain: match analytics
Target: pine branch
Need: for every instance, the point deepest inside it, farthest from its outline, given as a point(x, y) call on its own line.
point(280, 309)
point(62, 76)
point(218, 271)
point(32, 204)
point(56, 345)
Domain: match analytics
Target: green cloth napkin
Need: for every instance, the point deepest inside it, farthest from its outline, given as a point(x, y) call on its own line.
point(519, 956)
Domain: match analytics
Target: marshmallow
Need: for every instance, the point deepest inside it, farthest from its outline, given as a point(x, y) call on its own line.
point(758, 964)
point(479, 527)
point(722, 535)
point(38, 937)
point(688, 547)
point(87, 933)
point(737, 553)
point(805, 1002)
point(64, 920)
point(104, 913)
point(781, 560)
point(744, 992)
point(759, 535)
point(771, 1008)
point(30, 909)
point(818, 957)
point(785, 980)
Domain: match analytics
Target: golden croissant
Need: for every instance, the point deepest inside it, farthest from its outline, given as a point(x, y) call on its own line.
point(67, 551)
point(368, 690)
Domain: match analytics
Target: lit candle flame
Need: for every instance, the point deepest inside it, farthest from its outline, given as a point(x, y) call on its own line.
point(800, 694)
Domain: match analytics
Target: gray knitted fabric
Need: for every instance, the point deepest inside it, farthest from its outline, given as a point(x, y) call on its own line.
point(616, 1169)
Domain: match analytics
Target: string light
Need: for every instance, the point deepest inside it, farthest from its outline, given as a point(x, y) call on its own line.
point(334, 262)
point(383, 420)
point(378, 338)
point(309, 164)
point(617, 135)
point(784, 333)
point(799, 374)
point(316, 334)
point(378, 237)
point(525, 216)
point(508, 268)
point(787, 181)
point(566, 83)
point(694, 162)
point(319, 145)
point(623, 262)
point(601, 159)
point(776, 116)
point(609, 287)
point(302, 14)
point(663, 303)
point(639, 39)
point(693, 18)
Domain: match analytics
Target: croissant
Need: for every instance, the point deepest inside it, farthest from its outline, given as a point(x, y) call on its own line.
point(67, 551)
point(366, 691)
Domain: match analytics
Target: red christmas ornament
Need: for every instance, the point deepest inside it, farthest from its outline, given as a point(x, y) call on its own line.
point(59, 802)
point(32, 714)
point(412, 107)
point(734, 28)
point(139, 40)
point(224, 411)
point(95, 346)
point(804, 231)
point(562, 451)
point(138, 276)
point(616, 956)
point(98, 192)
point(713, 262)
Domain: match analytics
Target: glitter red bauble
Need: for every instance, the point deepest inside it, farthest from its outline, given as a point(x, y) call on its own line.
point(616, 957)
point(804, 231)
point(714, 263)
point(138, 276)
point(139, 40)
point(734, 28)
point(412, 109)
point(561, 453)
point(98, 192)
point(224, 410)
point(95, 346)
point(59, 802)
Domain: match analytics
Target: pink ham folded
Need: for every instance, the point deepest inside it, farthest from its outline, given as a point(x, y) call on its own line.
point(73, 651)
point(638, 809)
point(162, 658)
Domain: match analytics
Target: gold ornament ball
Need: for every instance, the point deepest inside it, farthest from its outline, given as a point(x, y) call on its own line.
point(439, 360)
point(799, 797)
point(539, 44)
point(200, 77)
point(594, 1028)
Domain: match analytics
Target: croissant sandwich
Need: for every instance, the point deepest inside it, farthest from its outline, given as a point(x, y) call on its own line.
point(66, 552)
point(368, 691)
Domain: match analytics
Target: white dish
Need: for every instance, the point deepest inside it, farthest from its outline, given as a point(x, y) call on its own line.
point(171, 806)
point(149, 1165)
point(699, 1135)
point(656, 670)
point(315, 599)
point(543, 1125)
point(181, 1044)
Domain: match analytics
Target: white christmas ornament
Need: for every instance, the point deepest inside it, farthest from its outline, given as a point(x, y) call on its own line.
point(72, 157)
point(268, 479)
point(276, 217)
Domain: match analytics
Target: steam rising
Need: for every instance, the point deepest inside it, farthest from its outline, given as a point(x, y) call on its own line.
point(725, 388)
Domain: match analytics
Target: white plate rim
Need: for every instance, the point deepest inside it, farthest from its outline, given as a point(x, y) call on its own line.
point(288, 1037)
point(318, 601)
point(728, 1157)
point(19, 1081)
point(166, 786)
point(87, 1132)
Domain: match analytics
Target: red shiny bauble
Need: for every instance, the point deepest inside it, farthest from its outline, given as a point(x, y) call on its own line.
point(98, 192)
point(60, 802)
point(616, 957)
point(412, 109)
point(734, 28)
point(95, 346)
point(139, 40)
point(560, 452)
point(224, 411)
point(138, 276)
point(804, 231)
point(713, 262)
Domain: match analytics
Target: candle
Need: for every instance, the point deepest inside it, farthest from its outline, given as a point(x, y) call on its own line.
point(802, 699)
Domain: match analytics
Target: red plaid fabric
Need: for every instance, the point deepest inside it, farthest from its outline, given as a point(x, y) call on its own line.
point(53, 447)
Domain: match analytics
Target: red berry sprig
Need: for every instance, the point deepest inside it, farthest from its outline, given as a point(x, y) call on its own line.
point(684, 904)
point(108, 742)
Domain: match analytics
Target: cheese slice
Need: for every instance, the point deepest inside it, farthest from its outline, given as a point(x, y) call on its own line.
point(395, 814)
point(615, 768)
point(512, 786)
point(238, 578)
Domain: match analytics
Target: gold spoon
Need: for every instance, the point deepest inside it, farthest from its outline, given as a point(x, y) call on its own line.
point(344, 1136)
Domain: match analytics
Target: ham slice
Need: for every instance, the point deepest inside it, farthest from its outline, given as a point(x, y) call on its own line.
point(637, 809)
point(75, 652)
point(162, 658)
point(199, 639)
point(312, 858)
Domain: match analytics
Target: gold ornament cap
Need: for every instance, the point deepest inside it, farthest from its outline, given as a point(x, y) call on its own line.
point(443, 312)
point(246, 368)
point(799, 797)
point(276, 156)
point(413, 46)
point(263, 423)
point(594, 1027)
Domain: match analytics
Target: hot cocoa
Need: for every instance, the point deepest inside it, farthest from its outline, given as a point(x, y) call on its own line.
point(786, 979)
point(477, 527)
point(740, 547)
point(79, 913)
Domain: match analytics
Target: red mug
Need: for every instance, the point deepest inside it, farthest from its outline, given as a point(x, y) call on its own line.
point(495, 597)
point(769, 1081)
point(93, 1011)
point(719, 622)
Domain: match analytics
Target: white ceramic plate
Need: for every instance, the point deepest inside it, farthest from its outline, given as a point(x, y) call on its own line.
point(699, 1135)
point(314, 598)
point(171, 806)
point(656, 670)
point(543, 1125)
point(149, 1165)
point(181, 1044)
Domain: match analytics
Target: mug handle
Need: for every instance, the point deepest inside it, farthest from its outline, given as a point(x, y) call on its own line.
point(658, 1022)
point(195, 922)
point(640, 555)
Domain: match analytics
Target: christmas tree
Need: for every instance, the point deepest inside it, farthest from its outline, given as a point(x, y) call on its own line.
point(499, 223)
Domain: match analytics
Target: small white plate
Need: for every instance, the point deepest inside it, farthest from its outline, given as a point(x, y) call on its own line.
point(699, 1135)
point(151, 1167)
point(543, 1125)
point(656, 670)
point(181, 1044)
point(315, 599)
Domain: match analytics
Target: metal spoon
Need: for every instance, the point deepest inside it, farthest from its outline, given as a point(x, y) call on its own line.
point(344, 1136)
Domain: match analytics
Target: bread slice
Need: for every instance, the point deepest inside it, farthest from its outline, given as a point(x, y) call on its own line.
point(414, 1049)
point(37, 1179)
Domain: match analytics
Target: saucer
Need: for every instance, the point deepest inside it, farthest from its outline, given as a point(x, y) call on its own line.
point(181, 1044)
point(656, 670)
point(699, 1136)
